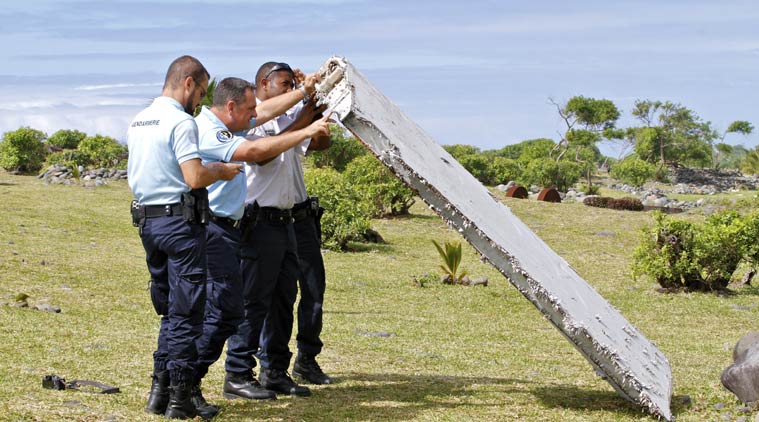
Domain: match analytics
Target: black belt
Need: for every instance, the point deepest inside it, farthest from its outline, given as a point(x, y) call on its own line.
point(302, 210)
point(227, 220)
point(275, 215)
point(152, 211)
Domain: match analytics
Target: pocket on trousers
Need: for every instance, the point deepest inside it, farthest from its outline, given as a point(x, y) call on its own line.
point(190, 296)
point(159, 295)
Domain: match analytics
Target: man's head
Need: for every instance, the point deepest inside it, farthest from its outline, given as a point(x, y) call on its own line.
point(234, 103)
point(274, 79)
point(187, 82)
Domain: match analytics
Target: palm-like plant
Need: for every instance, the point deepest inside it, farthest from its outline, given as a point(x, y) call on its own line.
point(451, 259)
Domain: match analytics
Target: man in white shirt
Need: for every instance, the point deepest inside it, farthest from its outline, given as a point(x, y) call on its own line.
point(270, 259)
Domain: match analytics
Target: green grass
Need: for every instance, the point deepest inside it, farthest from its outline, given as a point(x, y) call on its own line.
point(454, 353)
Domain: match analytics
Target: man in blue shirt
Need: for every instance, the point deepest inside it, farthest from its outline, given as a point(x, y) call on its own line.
point(168, 181)
point(234, 106)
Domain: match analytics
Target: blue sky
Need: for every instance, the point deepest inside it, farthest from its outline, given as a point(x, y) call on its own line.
point(474, 72)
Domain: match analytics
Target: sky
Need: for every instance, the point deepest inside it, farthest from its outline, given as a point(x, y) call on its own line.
point(472, 72)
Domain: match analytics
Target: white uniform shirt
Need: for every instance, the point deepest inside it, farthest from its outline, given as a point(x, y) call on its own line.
point(278, 183)
point(226, 198)
point(160, 138)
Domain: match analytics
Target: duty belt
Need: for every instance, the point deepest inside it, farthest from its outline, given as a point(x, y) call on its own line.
point(152, 211)
point(275, 215)
point(227, 220)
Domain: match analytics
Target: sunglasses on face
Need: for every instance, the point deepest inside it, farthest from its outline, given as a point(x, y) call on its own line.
point(281, 66)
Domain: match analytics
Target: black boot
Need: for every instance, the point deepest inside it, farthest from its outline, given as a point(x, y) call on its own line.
point(180, 403)
point(159, 393)
point(205, 410)
point(278, 380)
point(243, 385)
point(306, 368)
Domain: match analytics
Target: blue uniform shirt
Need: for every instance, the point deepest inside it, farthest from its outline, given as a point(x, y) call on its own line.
point(160, 138)
point(217, 143)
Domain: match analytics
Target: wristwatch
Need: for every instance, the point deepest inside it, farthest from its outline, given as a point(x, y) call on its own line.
point(306, 97)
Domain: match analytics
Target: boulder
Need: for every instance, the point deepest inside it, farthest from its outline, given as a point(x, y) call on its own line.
point(742, 377)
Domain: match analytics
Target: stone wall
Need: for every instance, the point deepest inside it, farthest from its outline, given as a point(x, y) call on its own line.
point(59, 174)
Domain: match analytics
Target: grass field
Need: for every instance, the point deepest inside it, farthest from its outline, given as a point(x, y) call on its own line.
point(397, 351)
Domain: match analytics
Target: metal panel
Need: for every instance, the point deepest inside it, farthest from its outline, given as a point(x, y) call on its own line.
point(636, 369)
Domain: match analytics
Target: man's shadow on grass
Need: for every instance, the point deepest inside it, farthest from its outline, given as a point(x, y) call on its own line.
point(389, 397)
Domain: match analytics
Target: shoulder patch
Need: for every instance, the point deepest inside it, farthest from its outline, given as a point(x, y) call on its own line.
point(224, 136)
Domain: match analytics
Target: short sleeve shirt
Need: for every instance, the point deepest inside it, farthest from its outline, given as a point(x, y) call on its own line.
point(278, 183)
point(217, 143)
point(160, 138)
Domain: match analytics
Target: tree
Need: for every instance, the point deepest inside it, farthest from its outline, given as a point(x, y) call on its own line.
point(722, 149)
point(22, 150)
point(66, 139)
point(588, 122)
point(388, 194)
point(459, 150)
point(671, 134)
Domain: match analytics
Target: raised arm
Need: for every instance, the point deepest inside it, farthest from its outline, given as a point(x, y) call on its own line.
point(197, 175)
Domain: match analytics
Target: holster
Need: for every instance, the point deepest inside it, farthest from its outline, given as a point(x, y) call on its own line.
point(317, 212)
point(195, 207)
point(249, 218)
point(138, 219)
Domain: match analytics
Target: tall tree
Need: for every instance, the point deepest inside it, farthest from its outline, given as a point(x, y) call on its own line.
point(588, 121)
point(722, 149)
point(671, 134)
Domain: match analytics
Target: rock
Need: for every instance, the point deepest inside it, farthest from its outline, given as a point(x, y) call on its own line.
point(483, 281)
point(719, 406)
point(22, 304)
point(606, 233)
point(742, 377)
point(502, 188)
point(374, 334)
point(743, 409)
point(686, 401)
point(48, 308)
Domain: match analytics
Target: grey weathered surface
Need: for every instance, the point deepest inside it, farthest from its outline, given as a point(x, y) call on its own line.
point(742, 377)
point(636, 369)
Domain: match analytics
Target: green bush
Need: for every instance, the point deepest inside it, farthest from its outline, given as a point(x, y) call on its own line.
point(22, 150)
point(477, 165)
point(683, 255)
point(68, 158)
point(633, 171)
point(547, 172)
point(103, 151)
point(66, 139)
point(503, 170)
point(388, 194)
point(343, 149)
point(347, 212)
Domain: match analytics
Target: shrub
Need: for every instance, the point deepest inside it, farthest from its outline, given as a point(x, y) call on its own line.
point(629, 204)
point(379, 186)
point(451, 257)
point(66, 139)
point(633, 171)
point(347, 212)
point(68, 157)
point(343, 149)
point(503, 170)
point(682, 255)
point(22, 150)
point(547, 172)
point(103, 151)
point(597, 201)
point(477, 165)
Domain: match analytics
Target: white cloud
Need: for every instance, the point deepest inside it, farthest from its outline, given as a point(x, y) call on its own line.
point(112, 86)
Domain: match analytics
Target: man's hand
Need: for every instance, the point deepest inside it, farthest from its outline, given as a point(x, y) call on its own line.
point(310, 82)
point(224, 171)
point(319, 127)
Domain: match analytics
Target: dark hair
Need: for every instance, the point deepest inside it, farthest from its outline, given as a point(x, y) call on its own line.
point(231, 89)
point(267, 68)
point(183, 67)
